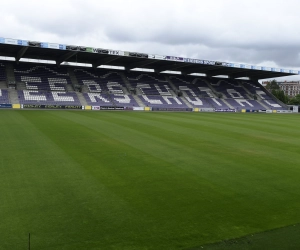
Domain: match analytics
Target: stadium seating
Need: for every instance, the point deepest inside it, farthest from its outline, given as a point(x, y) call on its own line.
point(192, 86)
point(42, 77)
point(105, 87)
point(4, 99)
point(163, 101)
point(51, 85)
point(48, 98)
point(229, 88)
point(2, 72)
point(149, 84)
point(154, 90)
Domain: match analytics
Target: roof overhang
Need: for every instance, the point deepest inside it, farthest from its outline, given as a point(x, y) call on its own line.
point(60, 53)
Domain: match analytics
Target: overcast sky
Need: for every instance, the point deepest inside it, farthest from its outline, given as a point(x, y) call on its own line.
point(255, 32)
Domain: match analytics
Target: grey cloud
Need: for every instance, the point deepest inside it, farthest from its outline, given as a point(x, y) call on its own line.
point(236, 31)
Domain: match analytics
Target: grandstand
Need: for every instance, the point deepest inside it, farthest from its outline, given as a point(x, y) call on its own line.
point(138, 180)
point(58, 83)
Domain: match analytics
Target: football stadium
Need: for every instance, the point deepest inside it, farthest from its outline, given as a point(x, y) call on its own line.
point(108, 149)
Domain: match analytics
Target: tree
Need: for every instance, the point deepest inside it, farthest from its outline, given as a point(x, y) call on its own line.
point(273, 85)
point(295, 100)
point(279, 94)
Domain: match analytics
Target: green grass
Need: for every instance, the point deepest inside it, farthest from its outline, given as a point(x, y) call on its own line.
point(138, 180)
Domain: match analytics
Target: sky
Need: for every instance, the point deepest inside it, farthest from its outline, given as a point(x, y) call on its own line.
point(255, 32)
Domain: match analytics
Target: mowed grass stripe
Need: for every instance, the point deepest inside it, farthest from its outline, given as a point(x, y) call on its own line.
point(117, 129)
point(156, 170)
point(176, 182)
point(47, 194)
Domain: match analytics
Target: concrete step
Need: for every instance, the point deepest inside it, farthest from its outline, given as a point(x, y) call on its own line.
point(13, 96)
point(3, 85)
point(81, 99)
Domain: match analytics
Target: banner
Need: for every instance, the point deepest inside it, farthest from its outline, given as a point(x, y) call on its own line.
point(44, 45)
point(206, 62)
point(99, 51)
point(206, 110)
point(159, 57)
point(7, 106)
point(295, 109)
point(95, 107)
point(72, 47)
point(35, 106)
point(34, 44)
point(172, 109)
point(23, 42)
point(113, 52)
point(174, 58)
point(138, 108)
point(136, 54)
point(90, 49)
point(111, 108)
point(50, 45)
point(224, 110)
point(284, 111)
point(11, 41)
point(252, 110)
point(16, 106)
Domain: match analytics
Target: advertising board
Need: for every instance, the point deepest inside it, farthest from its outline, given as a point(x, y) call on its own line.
point(5, 106)
point(36, 106)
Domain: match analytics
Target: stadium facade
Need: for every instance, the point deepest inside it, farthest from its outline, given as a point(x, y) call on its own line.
point(78, 77)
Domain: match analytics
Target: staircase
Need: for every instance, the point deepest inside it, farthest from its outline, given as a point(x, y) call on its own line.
point(249, 94)
point(69, 88)
point(127, 83)
point(262, 104)
point(13, 96)
point(186, 102)
point(3, 85)
point(224, 100)
point(10, 74)
point(215, 93)
point(129, 87)
point(73, 78)
point(81, 99)
point(172, 85)
point(21, 86)
point(139, 101)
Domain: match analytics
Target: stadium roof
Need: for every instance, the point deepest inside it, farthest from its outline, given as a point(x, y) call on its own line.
point(129, 60)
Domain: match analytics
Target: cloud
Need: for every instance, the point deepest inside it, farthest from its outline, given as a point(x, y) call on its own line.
point(250, 32)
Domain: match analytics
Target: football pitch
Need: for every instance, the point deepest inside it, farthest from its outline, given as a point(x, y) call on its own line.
point(149, 180)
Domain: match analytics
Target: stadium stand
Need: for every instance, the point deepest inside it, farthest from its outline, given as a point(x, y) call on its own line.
point(4, 99)
point(2, 72)
point(197, 92)
point(104, 87)
point(154, 90)
point(44, 84)
point(52, 85)
point(42, 77)
point(48, 98)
